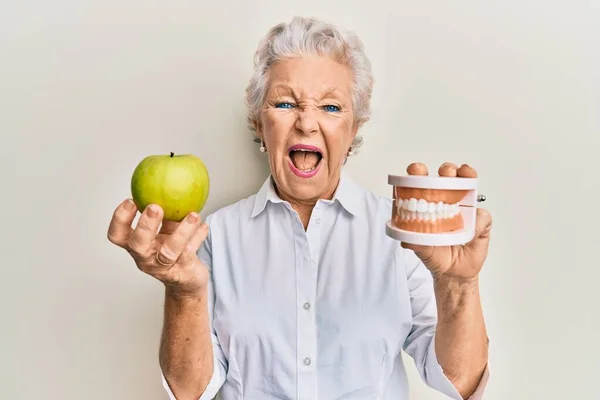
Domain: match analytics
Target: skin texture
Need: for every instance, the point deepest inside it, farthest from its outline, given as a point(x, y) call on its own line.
point(308, 102)
point(185, 355)
point(461, 338)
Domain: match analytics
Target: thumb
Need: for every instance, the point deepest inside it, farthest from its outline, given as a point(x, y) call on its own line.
point(483, 228)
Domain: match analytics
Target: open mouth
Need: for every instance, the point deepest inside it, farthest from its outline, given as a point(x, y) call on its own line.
point(305, 160)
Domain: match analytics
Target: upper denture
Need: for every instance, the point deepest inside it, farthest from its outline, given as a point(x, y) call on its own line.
point(424, 210)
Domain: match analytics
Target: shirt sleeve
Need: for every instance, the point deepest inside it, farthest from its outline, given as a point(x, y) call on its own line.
point(220, 364)
point(420, 343)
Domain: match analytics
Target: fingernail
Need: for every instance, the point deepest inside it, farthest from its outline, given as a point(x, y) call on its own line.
point(204, 226)
point(192, 218)
point(152, 212)
point(129, 205)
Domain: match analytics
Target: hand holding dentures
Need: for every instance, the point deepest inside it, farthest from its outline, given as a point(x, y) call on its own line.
point(438, 212)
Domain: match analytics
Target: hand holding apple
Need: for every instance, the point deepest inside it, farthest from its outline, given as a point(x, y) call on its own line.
point(169, 191)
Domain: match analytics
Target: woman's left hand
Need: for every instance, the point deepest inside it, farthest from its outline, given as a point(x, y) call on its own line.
point(461, 261)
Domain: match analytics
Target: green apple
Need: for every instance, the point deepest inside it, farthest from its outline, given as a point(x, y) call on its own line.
point(178, 183)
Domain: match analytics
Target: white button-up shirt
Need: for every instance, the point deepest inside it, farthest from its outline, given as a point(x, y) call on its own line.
point(316, 314)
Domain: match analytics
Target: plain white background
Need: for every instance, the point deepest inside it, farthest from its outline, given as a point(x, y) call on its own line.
point(87, 89)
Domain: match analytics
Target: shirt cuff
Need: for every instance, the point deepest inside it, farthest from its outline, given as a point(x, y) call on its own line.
point(216, 381)
point(478, 394)
point(435, 378)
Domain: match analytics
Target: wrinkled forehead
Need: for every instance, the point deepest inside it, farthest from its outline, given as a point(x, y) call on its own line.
point(313, 77)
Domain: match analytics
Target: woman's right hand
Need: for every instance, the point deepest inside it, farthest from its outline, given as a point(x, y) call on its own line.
point(169, 255)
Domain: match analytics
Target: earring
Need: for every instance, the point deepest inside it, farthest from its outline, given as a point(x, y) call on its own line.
point(350, 152)
point(262, 149)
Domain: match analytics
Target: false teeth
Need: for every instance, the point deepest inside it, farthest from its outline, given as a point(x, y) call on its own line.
point(421, 209)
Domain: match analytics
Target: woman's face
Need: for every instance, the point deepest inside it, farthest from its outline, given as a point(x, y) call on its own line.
point(307, 125)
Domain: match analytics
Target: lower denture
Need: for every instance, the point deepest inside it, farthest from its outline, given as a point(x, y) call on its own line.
point(440, 226)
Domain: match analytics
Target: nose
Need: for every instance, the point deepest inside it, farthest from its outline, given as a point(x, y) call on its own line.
point(307, 121)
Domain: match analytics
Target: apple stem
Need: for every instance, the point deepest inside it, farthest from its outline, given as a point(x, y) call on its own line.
point(172, 154)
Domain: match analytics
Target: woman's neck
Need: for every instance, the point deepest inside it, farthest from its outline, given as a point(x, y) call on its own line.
point(304, 212)
point(304, 208)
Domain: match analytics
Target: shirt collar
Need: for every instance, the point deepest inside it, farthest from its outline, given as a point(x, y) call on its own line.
point(348, 194)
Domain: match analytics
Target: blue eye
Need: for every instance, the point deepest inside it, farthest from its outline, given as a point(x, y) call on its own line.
point(284, 105)
point(332, 108)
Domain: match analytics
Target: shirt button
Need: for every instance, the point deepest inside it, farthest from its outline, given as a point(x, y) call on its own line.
point(307, 361)
point(306, 305)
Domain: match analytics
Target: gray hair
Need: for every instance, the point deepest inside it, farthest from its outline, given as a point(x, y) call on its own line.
point(310, 35)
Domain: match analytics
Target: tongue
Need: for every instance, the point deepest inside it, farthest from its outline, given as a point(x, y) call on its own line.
point(304, 160)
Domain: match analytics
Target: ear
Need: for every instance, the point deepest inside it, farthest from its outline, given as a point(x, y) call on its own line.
point(355, 128)
point(257, 127)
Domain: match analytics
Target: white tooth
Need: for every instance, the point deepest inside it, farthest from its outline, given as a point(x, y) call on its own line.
point(445, 210)
point(402, 214)
point(422, 206)
point(439, 207)
point(413, 215)
point(405, 204)
point(412, 204)
point(434, 216)
point(431, 208)
point(426, 216)
point(420, 215)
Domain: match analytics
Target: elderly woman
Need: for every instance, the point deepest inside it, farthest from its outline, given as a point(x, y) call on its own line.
point(296, 292)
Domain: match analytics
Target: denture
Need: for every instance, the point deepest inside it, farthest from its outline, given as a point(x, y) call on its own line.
point(428, 210)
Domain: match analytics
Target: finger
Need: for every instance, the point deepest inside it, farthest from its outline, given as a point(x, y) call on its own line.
point(120, 228)
point(199, 236)
point(417, 168)
point(176, 242)
point(168, 227)
point(423, 252)
point(192, 247)
point(447, 169)
point(142, 239)
point(466, 171)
